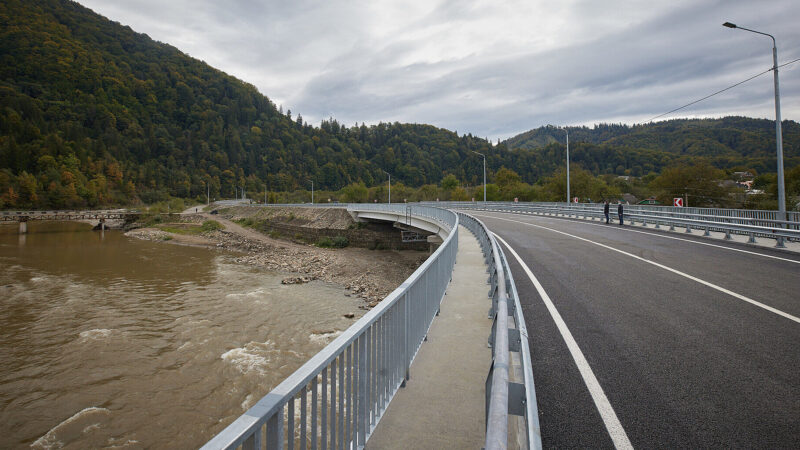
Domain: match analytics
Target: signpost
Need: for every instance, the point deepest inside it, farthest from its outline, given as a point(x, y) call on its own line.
point(677, 201)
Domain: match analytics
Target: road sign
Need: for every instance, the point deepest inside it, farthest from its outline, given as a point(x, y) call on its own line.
point(677, 201)
point(575, 200)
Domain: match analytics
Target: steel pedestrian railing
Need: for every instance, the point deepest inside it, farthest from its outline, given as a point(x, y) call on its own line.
point(743, 222)
point(336, 399)
point(507, 393)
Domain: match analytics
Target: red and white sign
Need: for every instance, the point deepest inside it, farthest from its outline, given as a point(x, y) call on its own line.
point(677, 201)
point(575, 200)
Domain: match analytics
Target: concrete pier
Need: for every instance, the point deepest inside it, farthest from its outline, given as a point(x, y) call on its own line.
point(443, 403)
point(23, 227)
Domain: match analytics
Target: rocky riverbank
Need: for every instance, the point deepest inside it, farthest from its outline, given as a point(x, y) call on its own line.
point(368, 274)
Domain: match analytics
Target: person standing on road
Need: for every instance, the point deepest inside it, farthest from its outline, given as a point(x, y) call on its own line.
point(619, 211)
point(605, 210)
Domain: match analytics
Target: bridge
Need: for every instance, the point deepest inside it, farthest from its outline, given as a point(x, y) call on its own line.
point(99, 216)
point(675, 328)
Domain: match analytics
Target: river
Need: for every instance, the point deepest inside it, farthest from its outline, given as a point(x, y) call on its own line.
point(109, 341)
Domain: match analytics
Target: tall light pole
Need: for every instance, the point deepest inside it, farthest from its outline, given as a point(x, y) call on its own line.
point(312, 191)
point(484, 174)
point(778, 132)
point(390, 185)
point(568, 196)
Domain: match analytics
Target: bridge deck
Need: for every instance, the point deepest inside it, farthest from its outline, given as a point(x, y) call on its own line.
point(442, 405)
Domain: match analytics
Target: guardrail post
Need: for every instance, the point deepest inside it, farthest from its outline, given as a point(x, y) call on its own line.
point(688, 229)
point(708, 232)
point(752, 239)
point(779, 243)
point(728, 235)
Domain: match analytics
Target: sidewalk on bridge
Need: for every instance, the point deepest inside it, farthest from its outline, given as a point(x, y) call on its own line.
point(442, 405)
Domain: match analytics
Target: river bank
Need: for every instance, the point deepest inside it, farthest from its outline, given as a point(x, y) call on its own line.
point(368, 274)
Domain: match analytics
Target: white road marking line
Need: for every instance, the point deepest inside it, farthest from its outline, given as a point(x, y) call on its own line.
point(667, 268)
point(613, 425)
point(629, 229)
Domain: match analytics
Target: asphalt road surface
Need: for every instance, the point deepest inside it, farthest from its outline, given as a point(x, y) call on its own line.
point(690, 345)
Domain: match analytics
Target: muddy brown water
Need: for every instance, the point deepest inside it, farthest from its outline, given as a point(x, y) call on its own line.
point(108, 341)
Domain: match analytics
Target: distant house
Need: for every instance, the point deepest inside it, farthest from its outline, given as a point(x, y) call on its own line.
point(649, 201)
point(743, 175)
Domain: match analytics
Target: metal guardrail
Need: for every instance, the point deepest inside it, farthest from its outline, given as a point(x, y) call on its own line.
point(505, 397)
point(342, 392)
point(743, 222)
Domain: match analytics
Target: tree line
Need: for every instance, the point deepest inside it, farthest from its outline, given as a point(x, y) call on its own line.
point(93, 114)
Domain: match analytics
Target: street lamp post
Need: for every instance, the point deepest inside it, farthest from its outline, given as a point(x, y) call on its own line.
point(484, 174)
point(778, 132)
point(312, 191)
point(568, 196)
point(390, 185)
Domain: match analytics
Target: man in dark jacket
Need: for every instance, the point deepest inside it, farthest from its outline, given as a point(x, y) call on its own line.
point(605, 210)
point(619, 211)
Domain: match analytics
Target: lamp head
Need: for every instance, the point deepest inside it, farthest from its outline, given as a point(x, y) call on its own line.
point(729, 25)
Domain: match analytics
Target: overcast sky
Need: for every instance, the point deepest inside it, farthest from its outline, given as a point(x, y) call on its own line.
point(490, 68)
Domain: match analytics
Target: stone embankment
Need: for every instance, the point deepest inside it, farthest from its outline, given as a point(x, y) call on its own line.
point(368, 274)
point(314, 224)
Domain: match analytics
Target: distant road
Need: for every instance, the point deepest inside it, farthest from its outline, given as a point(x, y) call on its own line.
point(689, 345)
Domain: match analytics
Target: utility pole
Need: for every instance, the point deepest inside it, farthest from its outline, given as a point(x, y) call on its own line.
point(778, 132)
point(390, 185)
point(484, 174)
point(569, 198)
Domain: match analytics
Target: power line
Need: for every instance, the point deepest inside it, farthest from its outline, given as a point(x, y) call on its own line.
point(721, 91)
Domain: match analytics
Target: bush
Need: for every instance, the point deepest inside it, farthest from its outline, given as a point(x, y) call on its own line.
point(211, 225)
point(274, 234)
point(336, 242)
point(248, 222)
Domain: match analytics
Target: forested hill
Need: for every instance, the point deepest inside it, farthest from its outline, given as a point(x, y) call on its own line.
point(733, 136)
point(92, 113)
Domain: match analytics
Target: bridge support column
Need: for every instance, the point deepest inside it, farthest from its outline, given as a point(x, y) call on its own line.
point(23, 226)
point(102, 224)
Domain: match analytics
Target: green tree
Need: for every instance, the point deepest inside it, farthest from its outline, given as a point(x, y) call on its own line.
point(701, 183)
point(449, 182)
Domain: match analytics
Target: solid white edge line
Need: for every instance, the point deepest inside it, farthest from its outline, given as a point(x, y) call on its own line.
point(613, 425)
point(667, 268)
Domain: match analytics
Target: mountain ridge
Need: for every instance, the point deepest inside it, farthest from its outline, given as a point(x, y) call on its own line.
point(93, 113)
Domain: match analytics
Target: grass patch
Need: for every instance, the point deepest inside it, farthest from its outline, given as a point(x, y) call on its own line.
point(335, 242)
point(247, 222)
point(211, 225)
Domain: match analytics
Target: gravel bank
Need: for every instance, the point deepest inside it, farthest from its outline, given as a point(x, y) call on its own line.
point(368, 274)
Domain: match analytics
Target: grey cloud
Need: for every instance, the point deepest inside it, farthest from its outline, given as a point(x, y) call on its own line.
point(607, 64)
